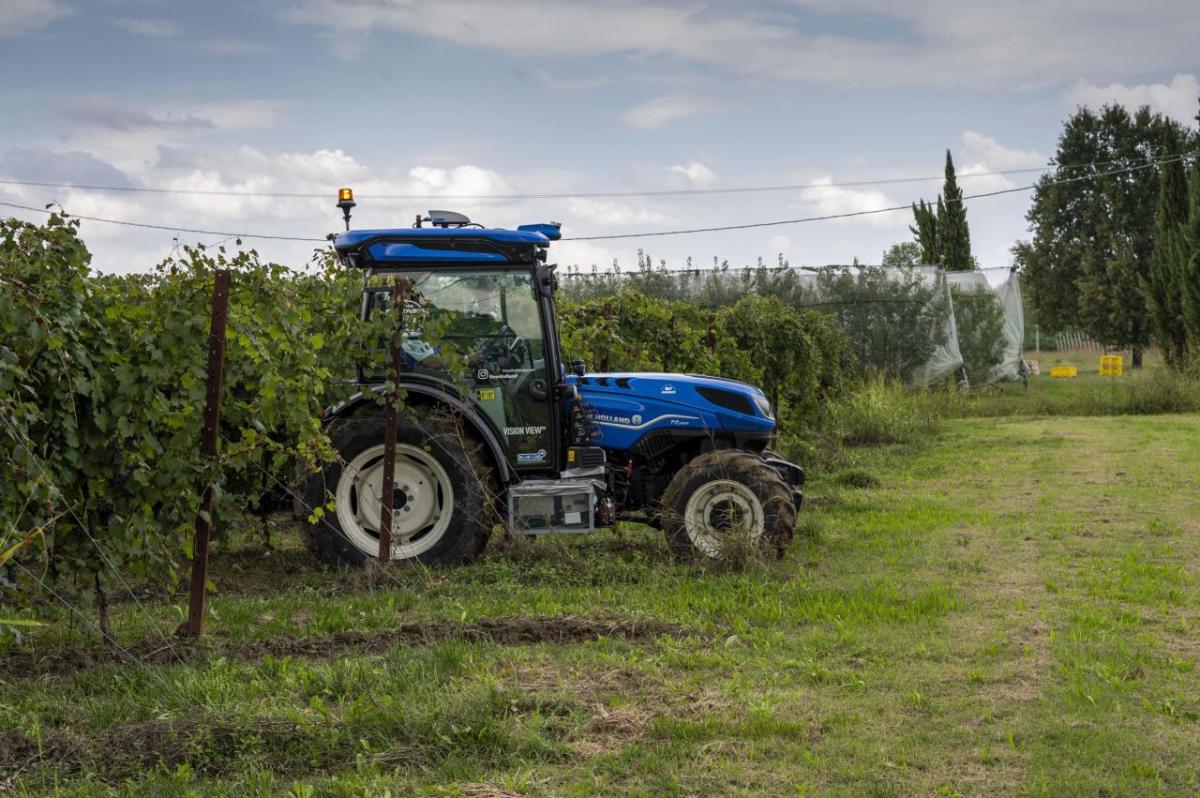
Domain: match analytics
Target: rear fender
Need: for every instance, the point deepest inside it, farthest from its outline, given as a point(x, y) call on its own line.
point(478, 423)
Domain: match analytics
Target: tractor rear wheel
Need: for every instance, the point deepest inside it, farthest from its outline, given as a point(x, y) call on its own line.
point(442, 504)
point(726, 498)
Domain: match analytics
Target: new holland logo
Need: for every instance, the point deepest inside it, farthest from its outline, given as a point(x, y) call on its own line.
point(605, 418)
point(668, 390)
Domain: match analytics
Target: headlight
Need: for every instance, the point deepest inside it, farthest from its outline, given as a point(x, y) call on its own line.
point(763, 406)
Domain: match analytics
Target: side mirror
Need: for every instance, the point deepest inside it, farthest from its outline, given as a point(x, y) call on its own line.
point(578, 368)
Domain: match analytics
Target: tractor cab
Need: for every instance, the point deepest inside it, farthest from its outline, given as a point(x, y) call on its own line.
point(478, 324)
point(496, 429)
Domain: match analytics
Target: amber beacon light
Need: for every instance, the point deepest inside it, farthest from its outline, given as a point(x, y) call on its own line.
point(346, 202)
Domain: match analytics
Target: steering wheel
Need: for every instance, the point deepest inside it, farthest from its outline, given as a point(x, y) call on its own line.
point(521, 350)
point(503, 350)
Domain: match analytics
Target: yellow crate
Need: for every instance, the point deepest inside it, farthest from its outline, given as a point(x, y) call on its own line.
point(1111, 365)
point(1064, 371)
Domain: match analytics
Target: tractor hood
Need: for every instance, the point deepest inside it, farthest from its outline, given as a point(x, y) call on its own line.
point(626, 406)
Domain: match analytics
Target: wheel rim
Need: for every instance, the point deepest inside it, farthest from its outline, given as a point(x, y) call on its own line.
point(423, 503)
point(720, 509)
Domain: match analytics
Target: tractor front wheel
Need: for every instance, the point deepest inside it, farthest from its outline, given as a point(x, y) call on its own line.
point(727, 498)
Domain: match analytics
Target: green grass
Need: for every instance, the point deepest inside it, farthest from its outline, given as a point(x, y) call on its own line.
point(1010, 608)
point(1150, 390)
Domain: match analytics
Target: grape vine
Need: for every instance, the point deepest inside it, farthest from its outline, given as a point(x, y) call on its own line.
point(102, 391)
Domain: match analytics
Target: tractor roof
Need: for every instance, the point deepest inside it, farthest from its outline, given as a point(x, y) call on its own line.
point(400, 247)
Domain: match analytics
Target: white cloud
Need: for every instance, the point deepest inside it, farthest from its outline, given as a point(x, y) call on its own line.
point(25, 16)
point(247, 169)
point(609, 213)
point(985, 150)
point(825, 199)
point(322, 167)
point(939, 43)
point(664, 110)
point(584, 255)
point(981, 156)
point(1177, 99)
point(150, 28)
point(465, 180)
point(137, 138)
point(696, 173)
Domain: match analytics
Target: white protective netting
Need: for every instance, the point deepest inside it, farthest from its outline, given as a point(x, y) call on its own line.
point(898, 321)
point(920, 324)
point(991, 324)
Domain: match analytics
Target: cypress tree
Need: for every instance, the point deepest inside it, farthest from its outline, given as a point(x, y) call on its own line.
point(926, 232)
point(1162, 286)
point(1188, 273)
point(954, 235)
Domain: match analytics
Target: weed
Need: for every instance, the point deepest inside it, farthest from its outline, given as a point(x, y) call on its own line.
point(857, 478)
point(882, 412)
point(809, 525)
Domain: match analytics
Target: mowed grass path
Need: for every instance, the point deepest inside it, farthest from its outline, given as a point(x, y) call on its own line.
point(1013, 609)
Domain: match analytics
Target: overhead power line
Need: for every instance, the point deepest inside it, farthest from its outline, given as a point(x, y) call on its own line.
point(652, 234)
point(872, 211)
point(787, 187)
point(167, 228)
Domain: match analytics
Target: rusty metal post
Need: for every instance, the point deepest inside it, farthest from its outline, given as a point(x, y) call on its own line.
point(208, 449)
point(387, 496)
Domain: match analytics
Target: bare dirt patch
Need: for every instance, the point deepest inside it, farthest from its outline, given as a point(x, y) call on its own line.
point(562, 629)
point(610, 730)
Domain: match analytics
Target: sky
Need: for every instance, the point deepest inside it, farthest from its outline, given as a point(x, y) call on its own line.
point(448, 98)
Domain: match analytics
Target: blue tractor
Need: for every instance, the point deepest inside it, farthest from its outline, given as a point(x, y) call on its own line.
point(497, 428)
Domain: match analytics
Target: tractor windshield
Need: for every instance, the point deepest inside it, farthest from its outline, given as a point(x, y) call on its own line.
point(482, 332)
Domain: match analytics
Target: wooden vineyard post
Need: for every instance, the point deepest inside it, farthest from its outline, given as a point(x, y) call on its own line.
point(208, 450)
point(389, 431)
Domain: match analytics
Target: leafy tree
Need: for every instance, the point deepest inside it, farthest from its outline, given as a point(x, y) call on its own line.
point(979, 319)
point(906, 253)
point(892, 318)
point(954, 237)
point(763, 332)
point(1093, 221)
point(631, 331)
